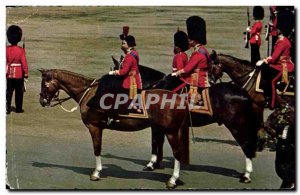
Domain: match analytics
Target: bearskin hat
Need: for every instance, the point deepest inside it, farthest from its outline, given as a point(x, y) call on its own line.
point(258, 12)
point(196, 29)
point(181, 40)
point(130, 41)
point(285, 22)
point(14, 34)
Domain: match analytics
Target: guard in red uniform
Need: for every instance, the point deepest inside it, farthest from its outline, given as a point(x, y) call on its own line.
point(129, 67)
point(280, 63)
point(16, 69)
point(255, 40)
point(181, 44)
point(195, 73)
point(128, 75)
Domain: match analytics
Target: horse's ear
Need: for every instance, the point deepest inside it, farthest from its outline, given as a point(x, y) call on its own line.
point(213, 54)
point(116, 63)
point(41, 70)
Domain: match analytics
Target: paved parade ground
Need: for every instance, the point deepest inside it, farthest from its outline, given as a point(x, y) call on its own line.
point(52, 149)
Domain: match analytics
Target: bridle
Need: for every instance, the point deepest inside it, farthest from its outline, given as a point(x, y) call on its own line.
point(46, 92)
point(249, 73)
point(47, 95)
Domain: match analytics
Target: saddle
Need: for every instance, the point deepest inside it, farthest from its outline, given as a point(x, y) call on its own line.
point(199, 101)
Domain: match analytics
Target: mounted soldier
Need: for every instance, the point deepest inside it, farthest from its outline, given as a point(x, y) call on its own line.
point(181, 44)
point(16, 69)
point(127, 79)
point(255, 40)
point(280, 63)
point(195, 73)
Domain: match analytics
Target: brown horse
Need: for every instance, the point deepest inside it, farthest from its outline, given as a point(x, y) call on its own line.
point(244, 74)
point(172, 123)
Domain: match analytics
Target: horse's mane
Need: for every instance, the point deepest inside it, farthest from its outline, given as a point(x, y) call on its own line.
point(146, 69)
point(237, 60)
point(65, 74)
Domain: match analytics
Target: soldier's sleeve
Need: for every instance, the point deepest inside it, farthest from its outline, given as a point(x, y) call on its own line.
point(194, 61)
point(276, 54)
point(126, 67)
point(180, 62)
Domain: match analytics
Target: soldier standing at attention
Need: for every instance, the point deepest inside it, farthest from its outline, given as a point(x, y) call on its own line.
point(16, 69)
point(181, 44)
point(255, 40)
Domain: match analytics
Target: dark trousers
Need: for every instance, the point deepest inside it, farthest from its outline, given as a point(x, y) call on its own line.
point(17, 86)
point(255, 55)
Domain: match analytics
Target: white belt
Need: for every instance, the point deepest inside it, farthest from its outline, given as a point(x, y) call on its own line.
point(13, 64)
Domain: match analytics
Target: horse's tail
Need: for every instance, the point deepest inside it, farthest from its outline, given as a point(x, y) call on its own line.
point(185, 144)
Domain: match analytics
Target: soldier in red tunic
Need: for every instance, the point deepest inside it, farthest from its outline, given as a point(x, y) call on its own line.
point(279, 64)
point(181, 44)
point(129, 67)
point(195, 73)
point(128, 75)
point(255, 40)
point(16, 69)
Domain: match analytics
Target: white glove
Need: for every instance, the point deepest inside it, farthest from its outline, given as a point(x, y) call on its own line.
point(174, 74)
point(111, 72)
point(248, 29)
point(260, 62)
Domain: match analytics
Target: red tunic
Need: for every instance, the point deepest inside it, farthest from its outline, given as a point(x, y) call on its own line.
point(179, 61)
point(197, 63)
point(281, 55)
point(16, 63)
point(255, 33)
point(129, 68)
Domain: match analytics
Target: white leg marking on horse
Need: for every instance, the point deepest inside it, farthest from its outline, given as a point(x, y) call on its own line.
point(98, 163)
point(152, 160)
point(249, 168)
point(96, 173)
point(176, 171)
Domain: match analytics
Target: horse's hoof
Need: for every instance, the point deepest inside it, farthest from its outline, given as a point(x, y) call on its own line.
point(146, 168)
point(245, 179)
point(94, 178)
point(170, 185)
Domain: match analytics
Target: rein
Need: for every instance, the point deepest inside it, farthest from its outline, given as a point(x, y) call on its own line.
point(60, 101)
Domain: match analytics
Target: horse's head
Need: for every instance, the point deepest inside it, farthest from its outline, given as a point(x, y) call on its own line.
point(49, 87)
point(280, 121)
point(216, 71)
